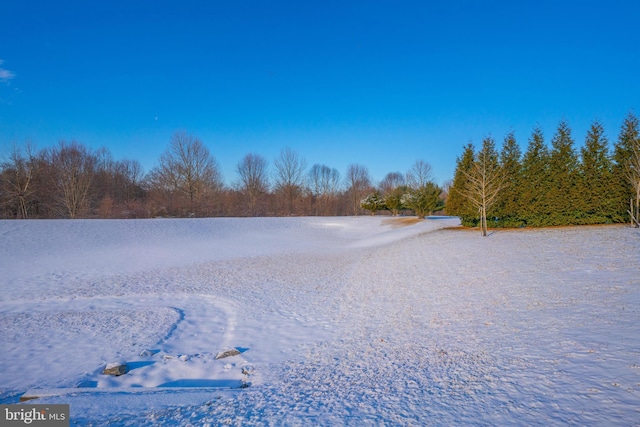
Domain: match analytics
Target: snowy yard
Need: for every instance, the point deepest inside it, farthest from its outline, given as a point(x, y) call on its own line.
point(339, 321)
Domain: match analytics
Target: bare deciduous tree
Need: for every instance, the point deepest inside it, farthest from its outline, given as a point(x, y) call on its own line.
point(73, 168)
point(186, 168)
point(254, 179)
point(131, 174)
point(419, 174)
point(485, 181)
point(358, 184)
point(18, 175)
point(390, 182)
point(289, 177)
point(104, 183)
point(118, 185)
point(324, 183)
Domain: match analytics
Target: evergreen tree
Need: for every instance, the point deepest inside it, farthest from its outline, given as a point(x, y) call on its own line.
point(372, 203)
point(564, 191)
point(457, 203)
point(596, 177)
point(423, 200)
point(393, 199)
point(534, 208)
point(507, 208)
point(623, 190)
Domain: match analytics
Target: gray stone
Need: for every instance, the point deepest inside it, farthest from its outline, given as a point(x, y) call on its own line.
point(227, 352)
point(115, 369)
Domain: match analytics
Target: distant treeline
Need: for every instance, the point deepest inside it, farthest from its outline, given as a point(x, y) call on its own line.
point(70, 180)
point(542, 187)
point(549, 186)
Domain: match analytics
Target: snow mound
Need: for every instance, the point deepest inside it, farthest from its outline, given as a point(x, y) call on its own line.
point(68, 252)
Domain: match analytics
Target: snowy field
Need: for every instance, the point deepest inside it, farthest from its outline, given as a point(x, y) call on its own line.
point(338, 321)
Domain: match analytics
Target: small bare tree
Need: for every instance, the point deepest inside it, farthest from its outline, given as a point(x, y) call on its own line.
point(324, 183)
point(73, 169)
point(254, 180)
point(358, 184)
point(289, 177)
point(18, 175)
point(485, 180)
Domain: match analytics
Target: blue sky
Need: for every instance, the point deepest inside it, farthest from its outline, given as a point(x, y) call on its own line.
point(379, 83)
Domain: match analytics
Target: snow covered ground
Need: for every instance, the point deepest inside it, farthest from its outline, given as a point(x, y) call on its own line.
point(339, 321)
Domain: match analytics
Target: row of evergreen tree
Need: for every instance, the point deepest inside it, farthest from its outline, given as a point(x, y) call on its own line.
point(557, 185)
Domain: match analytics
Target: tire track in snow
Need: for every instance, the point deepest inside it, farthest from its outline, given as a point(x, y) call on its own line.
point(205, 325)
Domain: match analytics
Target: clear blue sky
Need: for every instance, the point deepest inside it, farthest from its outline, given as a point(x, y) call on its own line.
point(380, 83)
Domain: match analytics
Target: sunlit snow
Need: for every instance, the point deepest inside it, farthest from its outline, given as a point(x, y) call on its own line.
point(337, 321)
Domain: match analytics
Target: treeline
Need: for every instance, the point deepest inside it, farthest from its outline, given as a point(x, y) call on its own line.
point(548, 186)
point(71, 181)
point(544, 186)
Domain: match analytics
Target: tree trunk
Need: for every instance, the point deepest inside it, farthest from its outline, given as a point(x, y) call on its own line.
point(483, 220)
point(23, 208)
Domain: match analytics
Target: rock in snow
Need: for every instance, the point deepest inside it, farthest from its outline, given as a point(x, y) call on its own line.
point(227, 352)
point(116, 369)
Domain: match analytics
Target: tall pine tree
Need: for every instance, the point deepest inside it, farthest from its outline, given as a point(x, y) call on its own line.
point(534, 202)
point(507, 208)
point(596, 177)
point(457, 203)
point(564, 191)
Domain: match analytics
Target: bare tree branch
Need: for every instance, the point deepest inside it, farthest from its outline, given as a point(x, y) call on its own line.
point(186, 169)
point(254, 180)
point(358, 184)
point(289, 176)
point(419, 174)
point(16, 181)
point(485, 181)
point(73, 167)
point(324, 183)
